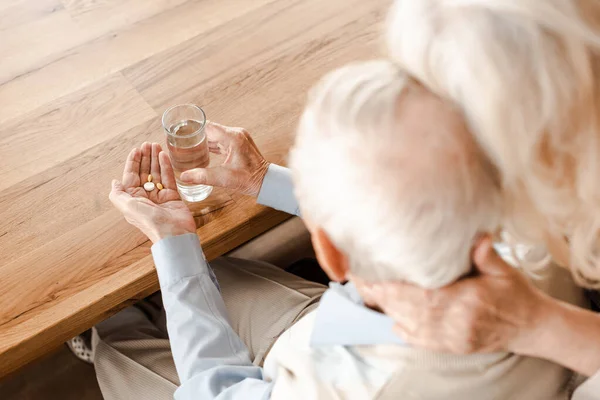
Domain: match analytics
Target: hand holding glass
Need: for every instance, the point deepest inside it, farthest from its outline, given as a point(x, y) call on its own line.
point(184, 126)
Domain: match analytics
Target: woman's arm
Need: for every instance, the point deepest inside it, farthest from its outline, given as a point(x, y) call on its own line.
point(565, 334)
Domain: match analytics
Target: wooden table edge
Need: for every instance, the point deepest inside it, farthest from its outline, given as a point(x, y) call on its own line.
point(31, 347)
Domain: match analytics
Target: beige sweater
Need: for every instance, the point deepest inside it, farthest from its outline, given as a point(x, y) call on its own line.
point(398, 372)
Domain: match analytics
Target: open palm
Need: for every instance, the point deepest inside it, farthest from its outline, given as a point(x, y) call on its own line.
point(157, 213)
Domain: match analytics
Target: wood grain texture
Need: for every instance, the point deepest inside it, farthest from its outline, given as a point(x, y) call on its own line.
point(14, 13)
point(90, 84)
point(85, 64)
point(68, 126)
point(76, 23)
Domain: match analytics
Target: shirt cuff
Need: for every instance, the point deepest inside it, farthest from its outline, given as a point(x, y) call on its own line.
point(178, 257)
point(589, 389)
point(277, 190)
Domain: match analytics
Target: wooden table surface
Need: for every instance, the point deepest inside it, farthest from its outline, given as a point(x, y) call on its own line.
point(83, 81)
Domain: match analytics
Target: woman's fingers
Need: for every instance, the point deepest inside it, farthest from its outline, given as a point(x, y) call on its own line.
point(487, 260)
point(382, 294)
point(154, 163)
point(406, 304)
point(428, 342)
point(146, 161)
point(167, 175)
point(131, 173)
point(397, 299)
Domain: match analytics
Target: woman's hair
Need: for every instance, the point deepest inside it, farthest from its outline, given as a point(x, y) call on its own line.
point(526, 73)
point(390, 172)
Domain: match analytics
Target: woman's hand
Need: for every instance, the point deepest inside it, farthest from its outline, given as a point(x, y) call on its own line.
point(159, 213)
point(244, 167)
point(496, 310)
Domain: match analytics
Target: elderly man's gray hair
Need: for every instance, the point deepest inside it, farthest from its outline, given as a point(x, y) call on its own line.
point(391, 174)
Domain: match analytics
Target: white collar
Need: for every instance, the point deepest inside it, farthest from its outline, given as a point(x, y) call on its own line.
point(343, 319)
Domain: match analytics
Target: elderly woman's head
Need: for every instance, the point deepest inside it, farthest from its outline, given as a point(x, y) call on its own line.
point(390, 181)
point(526, 73)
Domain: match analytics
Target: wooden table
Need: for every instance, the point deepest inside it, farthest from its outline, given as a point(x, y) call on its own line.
point(83, 81)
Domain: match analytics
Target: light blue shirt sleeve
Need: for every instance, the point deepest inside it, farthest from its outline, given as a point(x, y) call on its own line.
point(211, 360)
point(277, 190)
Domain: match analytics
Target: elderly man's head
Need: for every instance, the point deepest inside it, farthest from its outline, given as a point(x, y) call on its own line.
point(389, 179)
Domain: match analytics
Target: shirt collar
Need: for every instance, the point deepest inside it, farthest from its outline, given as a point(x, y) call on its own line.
point(343, 319)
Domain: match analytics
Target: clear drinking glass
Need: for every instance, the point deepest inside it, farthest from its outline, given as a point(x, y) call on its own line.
point(188, 147)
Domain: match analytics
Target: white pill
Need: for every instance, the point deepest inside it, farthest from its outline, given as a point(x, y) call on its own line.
point(149, 186)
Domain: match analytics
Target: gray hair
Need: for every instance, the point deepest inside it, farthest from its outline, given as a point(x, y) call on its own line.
point(526, 73)
point(403, 199)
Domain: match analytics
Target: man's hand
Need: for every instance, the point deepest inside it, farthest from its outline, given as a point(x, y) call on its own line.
point(244, 167)
point(159, 213)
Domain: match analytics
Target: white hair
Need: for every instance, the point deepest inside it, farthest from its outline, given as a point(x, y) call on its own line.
point(526, 73)
point(403, 198)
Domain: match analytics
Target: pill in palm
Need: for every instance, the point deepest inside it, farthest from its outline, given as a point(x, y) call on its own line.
point(149, 186)
point(150, 178)
point(159, 186)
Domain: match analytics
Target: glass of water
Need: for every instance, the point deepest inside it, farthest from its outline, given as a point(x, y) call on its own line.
point(188, 146)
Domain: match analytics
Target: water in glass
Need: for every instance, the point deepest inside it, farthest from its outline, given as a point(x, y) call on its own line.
point(188, 151)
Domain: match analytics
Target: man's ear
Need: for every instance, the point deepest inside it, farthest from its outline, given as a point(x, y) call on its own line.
point(331, 259)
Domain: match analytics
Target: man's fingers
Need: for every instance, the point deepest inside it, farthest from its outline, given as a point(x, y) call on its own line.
point(487, 260)
point(214, 148)
point(199, 176)
point(146, 161)
point(167, 175)
point(131, 173)
point(252, 143)
point(117, 186)
point(154, 163)
point(218, 133)
point(117, 195)
point(216, 176)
